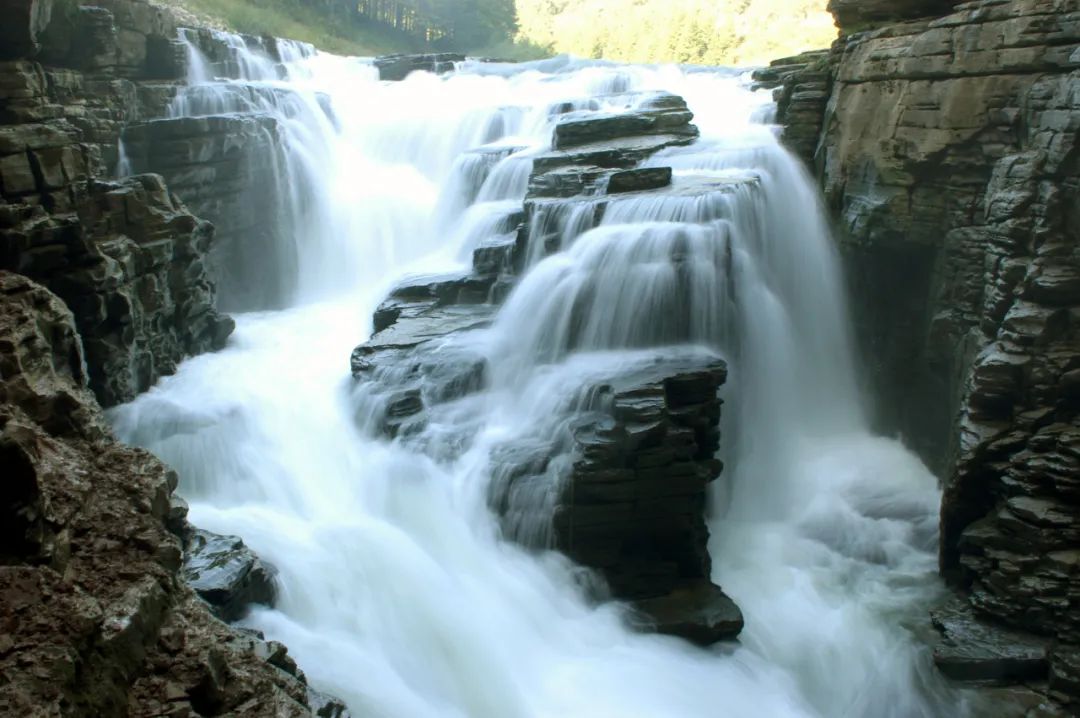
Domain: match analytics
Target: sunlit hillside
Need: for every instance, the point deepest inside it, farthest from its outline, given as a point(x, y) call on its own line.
point(713, 32)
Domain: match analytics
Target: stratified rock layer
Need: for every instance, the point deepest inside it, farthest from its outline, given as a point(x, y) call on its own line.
point(96, 618)
point(127, 257)
point(949, 156)
point(622, 490)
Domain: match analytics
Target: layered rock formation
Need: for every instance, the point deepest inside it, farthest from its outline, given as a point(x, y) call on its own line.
point(96, 619)
point(617, 478)
point(632, 505)
point(227, 167)
point(127, 257)
point(948, 153)
point(94, 551)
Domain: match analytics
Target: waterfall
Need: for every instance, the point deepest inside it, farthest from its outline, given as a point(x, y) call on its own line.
point(399, 592)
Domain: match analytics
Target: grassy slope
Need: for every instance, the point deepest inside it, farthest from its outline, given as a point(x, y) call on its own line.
point(257, 17)
point(714, 32)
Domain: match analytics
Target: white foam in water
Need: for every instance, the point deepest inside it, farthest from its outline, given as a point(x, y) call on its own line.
point(397, 593)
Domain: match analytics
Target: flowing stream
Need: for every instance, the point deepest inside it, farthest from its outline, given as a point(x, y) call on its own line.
point(398, 592)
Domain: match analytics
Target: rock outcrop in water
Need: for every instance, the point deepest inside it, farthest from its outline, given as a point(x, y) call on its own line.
point(398, 67)
point(948, 152)
point(96, 618)
point(633, 503)
point(617, 478)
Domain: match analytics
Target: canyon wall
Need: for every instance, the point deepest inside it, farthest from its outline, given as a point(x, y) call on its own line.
point(96, 619)
point(109, 600)
point(126, 256)
point(945, 136)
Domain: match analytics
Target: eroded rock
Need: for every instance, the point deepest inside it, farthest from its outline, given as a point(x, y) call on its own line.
point(948, 156)
point(227, 574)
point(398, 67)
point(96, 619)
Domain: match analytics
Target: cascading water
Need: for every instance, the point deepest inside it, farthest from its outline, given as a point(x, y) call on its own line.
point(397, 592)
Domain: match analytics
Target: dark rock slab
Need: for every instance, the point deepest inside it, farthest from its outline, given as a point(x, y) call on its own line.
point(398, 67)
point(699, 612)
point(624, 477)
point(621, 153)
point(975, 650)
point(662, 114)
point(1016, 702)
point(633, 504)
point(324, 706)
point(409, 366)
point(227, 574)
point(639, 180)
point(567, 182)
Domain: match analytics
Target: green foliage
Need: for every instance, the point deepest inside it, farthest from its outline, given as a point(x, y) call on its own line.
point(709, 32)
point(364, 27)
point(283, 18)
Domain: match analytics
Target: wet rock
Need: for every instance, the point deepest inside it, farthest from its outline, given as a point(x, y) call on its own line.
point(1015, 702)
point(619, 153)
point(660, 114)
point(974, 650)
point(97, 620)
point(632, 506)
point(620, 488)
point(699, 612)
point(130, 262)
point(324, 706)
point(224, 167)
point(947, 156)
point(398, 67)
point(639, 180)
point(227, 574)
point(803, 85)
point(586, 142)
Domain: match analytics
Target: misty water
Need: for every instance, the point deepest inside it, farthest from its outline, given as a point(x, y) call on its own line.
point(399, 591)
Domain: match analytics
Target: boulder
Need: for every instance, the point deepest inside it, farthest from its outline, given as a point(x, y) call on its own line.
point(227, 574)
point(698, 612)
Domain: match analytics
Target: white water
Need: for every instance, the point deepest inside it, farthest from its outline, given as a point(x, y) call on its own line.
point(397, 593)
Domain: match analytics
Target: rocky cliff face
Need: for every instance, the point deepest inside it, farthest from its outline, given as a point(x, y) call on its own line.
point(96, 620)
point(948, 153)
point(108, 598)
point(127, 257)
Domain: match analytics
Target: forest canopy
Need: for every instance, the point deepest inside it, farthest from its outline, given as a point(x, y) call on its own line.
point(710, 32)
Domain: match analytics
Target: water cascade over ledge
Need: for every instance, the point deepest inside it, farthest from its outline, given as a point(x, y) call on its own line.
point(401, 590)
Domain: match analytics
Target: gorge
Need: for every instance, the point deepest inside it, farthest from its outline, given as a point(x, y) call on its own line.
point(569, 387)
